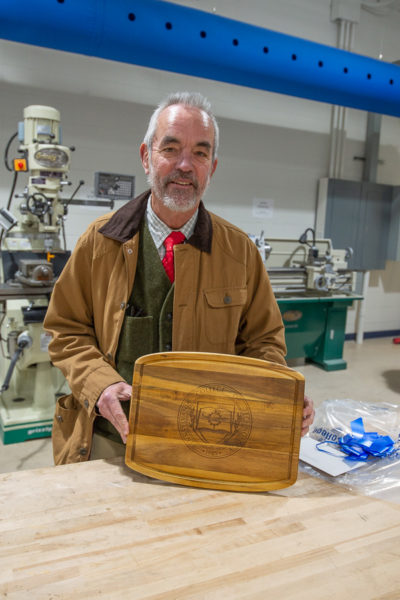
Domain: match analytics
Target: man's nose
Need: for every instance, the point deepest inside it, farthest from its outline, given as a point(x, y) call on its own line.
point(184, 161)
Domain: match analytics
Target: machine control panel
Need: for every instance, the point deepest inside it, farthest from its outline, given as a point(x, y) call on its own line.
point(114, 186)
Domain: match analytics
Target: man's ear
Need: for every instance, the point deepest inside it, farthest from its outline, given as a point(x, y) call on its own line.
point(214, 167)
point(144, 156)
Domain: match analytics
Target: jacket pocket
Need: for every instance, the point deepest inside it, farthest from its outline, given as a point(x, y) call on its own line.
point(223, 312)
point(71, 431)
point(65, 417)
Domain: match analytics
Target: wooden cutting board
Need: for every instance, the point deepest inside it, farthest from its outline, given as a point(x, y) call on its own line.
point(215, 421)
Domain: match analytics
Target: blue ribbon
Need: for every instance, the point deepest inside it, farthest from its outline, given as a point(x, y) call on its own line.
point(360, 445)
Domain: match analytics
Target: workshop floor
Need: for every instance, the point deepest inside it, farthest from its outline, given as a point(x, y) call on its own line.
point(372, 374)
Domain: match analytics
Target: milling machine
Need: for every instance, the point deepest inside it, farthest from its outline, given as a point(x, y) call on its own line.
point(314, 288)
point(31, 259)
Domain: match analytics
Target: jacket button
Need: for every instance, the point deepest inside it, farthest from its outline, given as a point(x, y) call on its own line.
point(86, 403)
point(168, 347)
point(59, 418)
point(130, 250)
point(109, 356)
point(169, 316)
point(83, 451)
point(227, 299)
point(122, 305)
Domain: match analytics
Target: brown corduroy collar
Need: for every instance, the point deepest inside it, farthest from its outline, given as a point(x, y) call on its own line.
point(125, 222)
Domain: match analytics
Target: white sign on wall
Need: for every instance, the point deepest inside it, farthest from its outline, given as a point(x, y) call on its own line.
point(263, 208)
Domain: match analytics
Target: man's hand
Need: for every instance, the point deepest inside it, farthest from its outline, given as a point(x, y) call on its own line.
point(308, 415)
point(109, 406)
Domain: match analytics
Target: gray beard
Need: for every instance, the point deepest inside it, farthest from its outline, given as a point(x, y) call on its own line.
point(176, 205)
point(173, 204)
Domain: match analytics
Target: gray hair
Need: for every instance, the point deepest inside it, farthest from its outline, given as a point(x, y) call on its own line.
point(193, 99)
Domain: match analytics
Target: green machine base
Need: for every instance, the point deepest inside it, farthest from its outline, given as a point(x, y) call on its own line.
point(28, 404)
point(315, 328)
point(13, 434)
point(21, 419)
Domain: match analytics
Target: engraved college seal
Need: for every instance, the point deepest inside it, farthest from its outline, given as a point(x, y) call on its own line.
point(214, 421)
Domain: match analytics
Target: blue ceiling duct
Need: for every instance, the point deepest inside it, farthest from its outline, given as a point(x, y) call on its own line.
point(162, 35)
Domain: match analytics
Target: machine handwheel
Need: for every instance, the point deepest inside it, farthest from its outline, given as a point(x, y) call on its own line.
point(37, 204)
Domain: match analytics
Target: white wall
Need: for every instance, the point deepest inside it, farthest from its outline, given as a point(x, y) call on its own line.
point(255, 162)
point(272, 147)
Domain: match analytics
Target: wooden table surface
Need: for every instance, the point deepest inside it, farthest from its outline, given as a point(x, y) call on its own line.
point(99, 530)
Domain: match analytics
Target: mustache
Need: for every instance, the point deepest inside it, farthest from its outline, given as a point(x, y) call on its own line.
point(182, 176)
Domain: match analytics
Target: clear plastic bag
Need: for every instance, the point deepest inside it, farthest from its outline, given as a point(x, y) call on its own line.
point(379, 477)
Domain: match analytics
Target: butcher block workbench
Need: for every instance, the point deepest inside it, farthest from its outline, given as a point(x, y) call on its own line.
point(99, 530)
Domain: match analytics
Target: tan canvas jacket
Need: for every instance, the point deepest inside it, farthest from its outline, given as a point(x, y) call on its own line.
point(223, 302)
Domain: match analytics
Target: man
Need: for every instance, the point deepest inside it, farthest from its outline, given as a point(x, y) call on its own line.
point(115, 301)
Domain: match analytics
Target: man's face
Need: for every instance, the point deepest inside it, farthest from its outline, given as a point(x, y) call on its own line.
point(181, 164)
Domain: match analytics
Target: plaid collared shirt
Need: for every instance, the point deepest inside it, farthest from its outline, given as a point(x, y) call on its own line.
point(159, 230)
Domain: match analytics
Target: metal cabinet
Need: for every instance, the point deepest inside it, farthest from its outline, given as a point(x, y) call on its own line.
point(358, 214)
point(394, 235)
point(315, 329)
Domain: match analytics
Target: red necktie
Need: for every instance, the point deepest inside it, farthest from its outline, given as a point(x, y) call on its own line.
point(175, 237)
